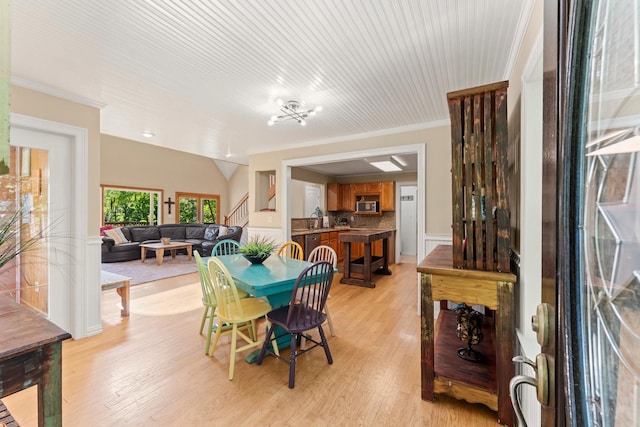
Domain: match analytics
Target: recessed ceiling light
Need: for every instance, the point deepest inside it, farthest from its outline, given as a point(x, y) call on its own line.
point(386, 166)
point(148, 134)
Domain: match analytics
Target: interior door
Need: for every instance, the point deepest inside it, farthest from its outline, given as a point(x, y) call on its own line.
point(591, 212)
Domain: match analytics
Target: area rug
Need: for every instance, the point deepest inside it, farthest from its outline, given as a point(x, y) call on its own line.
point(149, 270)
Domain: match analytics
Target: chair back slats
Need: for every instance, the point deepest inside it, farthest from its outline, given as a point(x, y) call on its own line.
point(324, 253)
point(225, 291)
point(208, 296)
point(306, 309)
point(291, 249)
point(226, 247)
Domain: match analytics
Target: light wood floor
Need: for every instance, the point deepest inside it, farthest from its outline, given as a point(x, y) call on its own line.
point(151, 369)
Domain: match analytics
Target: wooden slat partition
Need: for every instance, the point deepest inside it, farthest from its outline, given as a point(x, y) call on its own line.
point(481, 234)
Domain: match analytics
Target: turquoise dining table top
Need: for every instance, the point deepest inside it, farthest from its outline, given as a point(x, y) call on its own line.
point(274, 278)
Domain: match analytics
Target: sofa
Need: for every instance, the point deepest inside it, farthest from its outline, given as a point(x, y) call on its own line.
point(203, 237)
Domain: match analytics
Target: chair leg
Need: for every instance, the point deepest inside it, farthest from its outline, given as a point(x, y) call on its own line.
point(209, 332)
point(263, 350)
point(325, 345)
point(215, 338)
point(292, 361)
point(326, 310)
point(204, 318)
point(232, 353)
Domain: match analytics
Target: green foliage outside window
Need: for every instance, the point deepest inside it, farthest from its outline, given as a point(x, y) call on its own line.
point(188, 210)
point(209, 211)
point(130, 207)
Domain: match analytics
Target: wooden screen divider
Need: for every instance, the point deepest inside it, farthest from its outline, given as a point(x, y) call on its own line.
point(481, 229)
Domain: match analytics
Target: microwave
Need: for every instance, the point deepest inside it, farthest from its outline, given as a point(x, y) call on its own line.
point(362, 206)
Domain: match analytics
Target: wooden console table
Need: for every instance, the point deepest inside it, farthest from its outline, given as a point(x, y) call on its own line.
point(31, 354)
point(487, 381)
point(367, 264)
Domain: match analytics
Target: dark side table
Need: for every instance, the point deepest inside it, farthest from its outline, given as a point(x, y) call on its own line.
point(31, 354)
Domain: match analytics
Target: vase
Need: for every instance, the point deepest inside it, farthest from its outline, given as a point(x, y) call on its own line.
point(256, 259)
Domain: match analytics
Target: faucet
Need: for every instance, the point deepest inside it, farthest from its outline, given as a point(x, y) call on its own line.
point(315, 223)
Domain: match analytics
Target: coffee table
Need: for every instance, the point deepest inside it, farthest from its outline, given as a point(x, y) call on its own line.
point(160, 247)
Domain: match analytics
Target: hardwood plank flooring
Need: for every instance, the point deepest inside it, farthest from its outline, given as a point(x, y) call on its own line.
point(150, 369)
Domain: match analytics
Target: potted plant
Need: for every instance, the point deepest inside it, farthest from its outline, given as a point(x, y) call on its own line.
point(258, 249)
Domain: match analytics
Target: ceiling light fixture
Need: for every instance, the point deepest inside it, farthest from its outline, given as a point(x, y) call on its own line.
point(148, 134)
point(390, 165)
point(291, 111)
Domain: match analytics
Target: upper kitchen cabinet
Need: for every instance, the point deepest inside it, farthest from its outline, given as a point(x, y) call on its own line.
point(339, 197)
point(342, 197)
point(387, 196)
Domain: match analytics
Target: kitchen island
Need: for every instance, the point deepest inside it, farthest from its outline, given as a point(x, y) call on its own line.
point(366, 265)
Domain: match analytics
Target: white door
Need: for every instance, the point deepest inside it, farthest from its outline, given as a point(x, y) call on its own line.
point(408, 219)
point(58, 226)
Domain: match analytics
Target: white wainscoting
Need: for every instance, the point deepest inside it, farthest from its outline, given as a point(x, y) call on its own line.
point(433, 240)
point(277, 234)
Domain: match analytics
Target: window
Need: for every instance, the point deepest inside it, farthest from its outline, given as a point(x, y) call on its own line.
point(130, 206)
point(203, 208)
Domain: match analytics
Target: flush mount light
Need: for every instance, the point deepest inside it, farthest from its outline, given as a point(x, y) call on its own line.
point(390, 165)
point(148, 134)
point(291, 111)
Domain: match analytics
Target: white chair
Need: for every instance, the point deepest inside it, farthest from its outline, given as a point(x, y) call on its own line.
point(325, 253)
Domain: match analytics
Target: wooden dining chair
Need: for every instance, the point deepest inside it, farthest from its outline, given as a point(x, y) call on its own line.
point(325, 253)
point(291, 249)
point(208, 299)
point(237, 312)
point(304, 313)
point(226, 247)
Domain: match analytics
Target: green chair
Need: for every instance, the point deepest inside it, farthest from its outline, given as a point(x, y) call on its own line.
point(209, 299)
point(226, 247)
point(237, 312)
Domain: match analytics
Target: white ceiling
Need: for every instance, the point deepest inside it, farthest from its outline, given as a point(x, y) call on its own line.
point(203, 76)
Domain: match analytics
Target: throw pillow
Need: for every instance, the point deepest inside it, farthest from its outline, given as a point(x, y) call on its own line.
point(211, 233)
point(222, 231)
point(117, 235)
point(121, 235)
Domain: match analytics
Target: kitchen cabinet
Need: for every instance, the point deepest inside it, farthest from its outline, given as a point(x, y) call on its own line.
point(366, 189)
point(339, 197)
point(387, 196)
point(347, 201)
point(333, 196)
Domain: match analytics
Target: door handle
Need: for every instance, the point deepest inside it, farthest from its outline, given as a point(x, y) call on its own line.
point(540, 381)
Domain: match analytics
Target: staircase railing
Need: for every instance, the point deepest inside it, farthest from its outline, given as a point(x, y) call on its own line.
point(272, 186)
point(239, 215)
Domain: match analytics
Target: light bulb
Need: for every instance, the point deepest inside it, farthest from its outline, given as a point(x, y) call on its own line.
point(279, 101)
point(302, 123)
point(270, 122)
point(318, 108)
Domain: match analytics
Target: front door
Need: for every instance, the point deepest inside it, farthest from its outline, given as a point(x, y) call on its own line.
point(591, 211)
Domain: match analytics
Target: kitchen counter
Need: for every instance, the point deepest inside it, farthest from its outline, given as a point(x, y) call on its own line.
point(305, 231)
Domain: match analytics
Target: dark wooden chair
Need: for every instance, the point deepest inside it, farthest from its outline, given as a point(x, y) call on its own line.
point(304, 313)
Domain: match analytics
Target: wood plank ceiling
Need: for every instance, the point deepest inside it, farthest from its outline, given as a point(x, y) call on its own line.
point(203, 76)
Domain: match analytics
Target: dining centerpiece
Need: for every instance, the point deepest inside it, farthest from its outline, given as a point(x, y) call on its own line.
point(258, 249)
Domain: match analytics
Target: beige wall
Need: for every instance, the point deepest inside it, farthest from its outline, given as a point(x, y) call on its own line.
point(437, 172)
point(238, 185)
point(47, 107)
point(125, 162)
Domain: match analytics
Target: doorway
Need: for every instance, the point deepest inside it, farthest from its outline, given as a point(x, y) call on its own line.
point(408, 221)
point(44, 161)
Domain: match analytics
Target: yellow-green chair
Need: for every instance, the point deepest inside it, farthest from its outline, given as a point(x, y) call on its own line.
point(208, 299)
point(234, 311)
point(291, 249)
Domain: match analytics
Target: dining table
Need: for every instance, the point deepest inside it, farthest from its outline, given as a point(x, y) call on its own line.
point(274, 279)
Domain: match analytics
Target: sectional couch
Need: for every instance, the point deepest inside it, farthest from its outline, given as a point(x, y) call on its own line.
point(203, 237)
